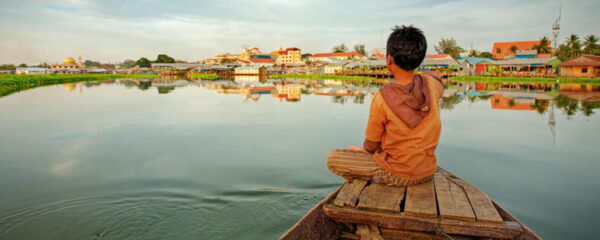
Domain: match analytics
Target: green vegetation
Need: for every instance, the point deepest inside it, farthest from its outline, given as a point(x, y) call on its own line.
point(593, 81)
point(143, 62)
point(339, 48)
point(543, 46)
point(207, 76)
point(164, 58)
point(360, 48)
point(323, 77)
point(10, 83)
point(448, 46)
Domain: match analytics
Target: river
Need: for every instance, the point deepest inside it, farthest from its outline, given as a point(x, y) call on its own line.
point(179, 159)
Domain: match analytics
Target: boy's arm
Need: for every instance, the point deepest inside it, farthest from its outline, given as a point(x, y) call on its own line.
point(375, 125)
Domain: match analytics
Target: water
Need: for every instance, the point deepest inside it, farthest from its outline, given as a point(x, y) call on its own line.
point(184, 160)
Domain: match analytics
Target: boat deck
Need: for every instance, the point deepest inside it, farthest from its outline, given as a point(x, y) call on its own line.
point(446, 204)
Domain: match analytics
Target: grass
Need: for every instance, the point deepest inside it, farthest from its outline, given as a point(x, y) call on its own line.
point(11, 83)
point(558, 80)
point(325, 77)
point(207, 76)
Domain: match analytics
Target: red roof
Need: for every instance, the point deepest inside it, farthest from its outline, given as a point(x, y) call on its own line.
point(438, 56)
point(342, 54)
point(378, 55)
point(583, 60)
point(262, 60)
point(505, 47)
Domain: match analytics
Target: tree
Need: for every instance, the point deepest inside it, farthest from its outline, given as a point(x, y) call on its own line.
point(448, 46)
point(574, 44)
point(7, 67)
point(22, 65)
point(128, 63)
point(486, 55)
point(590, 46)
point(514, 49)
point(306, 56)
point(543, 46)
point(91, 63)
point(143, 62)
point(563, 52)
point(473, 53)
point(340, 48)
point(360, 48)
point(164, 58)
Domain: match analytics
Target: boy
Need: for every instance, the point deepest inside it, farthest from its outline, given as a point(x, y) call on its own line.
point(404, 124)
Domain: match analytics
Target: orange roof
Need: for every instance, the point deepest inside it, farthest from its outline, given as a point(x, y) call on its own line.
point(378, 55)
point(284, 52)
point(583, 60)
point(342, 54)
point(438, 56)
point(505, 47)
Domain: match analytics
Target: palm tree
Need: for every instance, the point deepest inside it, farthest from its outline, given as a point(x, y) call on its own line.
point(543, 46)
point(591, 44)
point(574, 44)
point(514, 49)
point(448, 46)
point(340, 48)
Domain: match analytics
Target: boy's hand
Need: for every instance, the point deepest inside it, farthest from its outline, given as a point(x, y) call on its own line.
point(356, 148)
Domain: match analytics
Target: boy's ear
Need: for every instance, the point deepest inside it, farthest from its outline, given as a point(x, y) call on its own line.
point(389, 61)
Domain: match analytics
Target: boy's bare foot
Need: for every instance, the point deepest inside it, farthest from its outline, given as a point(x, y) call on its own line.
point(356, 148)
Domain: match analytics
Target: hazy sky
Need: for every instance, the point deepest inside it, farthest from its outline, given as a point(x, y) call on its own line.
point(34, 31)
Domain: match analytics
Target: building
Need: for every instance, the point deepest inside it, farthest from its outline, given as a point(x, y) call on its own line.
point(470, 66)
point(582, 66)
point(502, 49)
point(541, 67)
point(261, 62)
point(32, 70)
point(68, 63)
point(246, 53)
point(378, 53)
point(288, 56)
point(338, 56)
point(336, 67)
point(221, 57)
point(255, 70)
point(439, 61)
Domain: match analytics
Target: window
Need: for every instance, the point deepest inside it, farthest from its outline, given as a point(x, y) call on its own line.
point(498, 50)
point(584, 70)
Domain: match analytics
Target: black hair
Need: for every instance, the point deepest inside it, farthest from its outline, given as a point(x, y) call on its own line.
point(407, 45)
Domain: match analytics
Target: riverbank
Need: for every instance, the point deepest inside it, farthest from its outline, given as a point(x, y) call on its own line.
point(11, 83)
point(592, 81)
point(207, 76)
point(324, 77)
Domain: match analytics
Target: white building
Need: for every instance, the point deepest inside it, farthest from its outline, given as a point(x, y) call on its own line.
point(32, 70)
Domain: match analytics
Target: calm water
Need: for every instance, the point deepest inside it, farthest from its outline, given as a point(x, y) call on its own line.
point(229, 160)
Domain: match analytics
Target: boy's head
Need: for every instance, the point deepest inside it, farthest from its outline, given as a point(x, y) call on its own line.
point(407, 46)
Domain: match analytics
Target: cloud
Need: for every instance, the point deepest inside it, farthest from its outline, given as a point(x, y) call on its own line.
point(111, 31)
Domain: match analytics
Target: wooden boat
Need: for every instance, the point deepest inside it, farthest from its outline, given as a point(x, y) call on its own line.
point(445, 208)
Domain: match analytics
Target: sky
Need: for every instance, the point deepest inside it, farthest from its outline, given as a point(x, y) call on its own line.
point(36, 31)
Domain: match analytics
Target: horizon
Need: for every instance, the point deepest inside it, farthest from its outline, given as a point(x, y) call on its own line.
point(111, 32)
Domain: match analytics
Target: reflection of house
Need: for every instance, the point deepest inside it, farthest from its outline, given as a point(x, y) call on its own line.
point(338, 56)
point(516, 100)
point(582, 66)
point(501, 49)
point(291, 92)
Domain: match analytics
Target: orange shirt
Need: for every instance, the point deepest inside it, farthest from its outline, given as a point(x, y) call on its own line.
point(408, 153)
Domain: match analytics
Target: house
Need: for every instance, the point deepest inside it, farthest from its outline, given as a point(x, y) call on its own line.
point(338, 56)
point(582, 66)
point(254, 70)
point(335, 67)
point(262, 62)
point(527, 66)
point(288, 56)
point(439, 61)
point(32, 70)
point(472, 65)
point(502, 49)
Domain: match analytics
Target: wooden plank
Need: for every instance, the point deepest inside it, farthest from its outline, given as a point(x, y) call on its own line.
point(380, 197)
point(315, 224)
point(451, 199)
point(480, 202)
point(420, 200)
point(395, 234)
point(348, 196)
point(527, 234)
point(508, 229)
